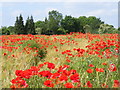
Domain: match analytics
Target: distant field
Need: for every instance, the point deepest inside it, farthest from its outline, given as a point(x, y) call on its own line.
point(74, 60)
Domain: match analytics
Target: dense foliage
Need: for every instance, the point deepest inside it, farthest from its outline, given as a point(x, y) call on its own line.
point(56, 24)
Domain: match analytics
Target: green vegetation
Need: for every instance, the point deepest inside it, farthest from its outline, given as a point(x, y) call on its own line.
point(56, 24)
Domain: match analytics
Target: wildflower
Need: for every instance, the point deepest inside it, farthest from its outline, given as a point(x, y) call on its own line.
point(104, 63)
point(51, 66)
point(89, 84)
point(5, 54)
point(19, 81)
point(46, 63)
point(55, 75)
point(104, 85)
point(66, 72)
point(112, 67)
point(91, 65)
point(40, 65)
point(18, 72)
point(90, 70)
point(68, 60)
point(13, 55)
point(13, 86)
point(69, 85)
point(116, 83)
point(27, 73)
point(56, 50)
point(63, 78)
point(75, 77)
point(45, 74)
point(34, 70)
point(72, 71)
point(48, 83)
point(99, 69)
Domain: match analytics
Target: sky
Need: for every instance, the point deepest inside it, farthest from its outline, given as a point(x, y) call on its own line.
point(106, 11)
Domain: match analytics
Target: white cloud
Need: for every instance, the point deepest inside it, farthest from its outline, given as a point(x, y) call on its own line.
point(16, 13)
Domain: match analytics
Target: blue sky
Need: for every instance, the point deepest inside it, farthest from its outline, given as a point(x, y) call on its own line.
point(107, 11)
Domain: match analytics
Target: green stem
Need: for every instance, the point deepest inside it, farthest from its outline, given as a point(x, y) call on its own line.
point(98, 80)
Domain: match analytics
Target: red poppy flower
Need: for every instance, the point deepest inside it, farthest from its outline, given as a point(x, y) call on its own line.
point(104, 85)
point(116, 83)
point(56, 50)
point(13, 55)
point(66, 72)
point(46, 63)
point(5, 54)
point(48, 83)
point(55, 47)
point(112, 67)
point(90, 70)
point(63, 78)
point(75, 77)
point(72, 71)
point(45, 74)
point(104, 63)
point(91, 65)
point(69, 85)
point(19, 81)
point(13, 87)
point(26, 74)
point(62, 68)
point(55, 75)
point(89, 84)
point(40, 65)
point(99, 69)
point(100, 56)
point(68, 60)
point(18, 72)
point(51, 66)
point(34, 70)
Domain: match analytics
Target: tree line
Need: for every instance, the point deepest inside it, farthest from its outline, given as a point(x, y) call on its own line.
point(57, 24)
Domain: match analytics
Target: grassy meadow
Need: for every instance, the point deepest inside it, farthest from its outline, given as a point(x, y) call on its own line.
point(74, 60)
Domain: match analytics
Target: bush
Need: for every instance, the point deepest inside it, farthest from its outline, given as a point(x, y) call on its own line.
point(38, 48)
point(61, 31)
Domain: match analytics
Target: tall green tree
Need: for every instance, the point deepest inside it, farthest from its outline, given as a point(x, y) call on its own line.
point(30, 26)
point(54, 20)
point(16, 27)
point(94, 23)
point(27, 25)
point(19, 25)
point(83, 22)
point(41, 27)
point(71, 24)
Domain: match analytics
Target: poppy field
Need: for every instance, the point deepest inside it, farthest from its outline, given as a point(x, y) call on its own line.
point(74, 60)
